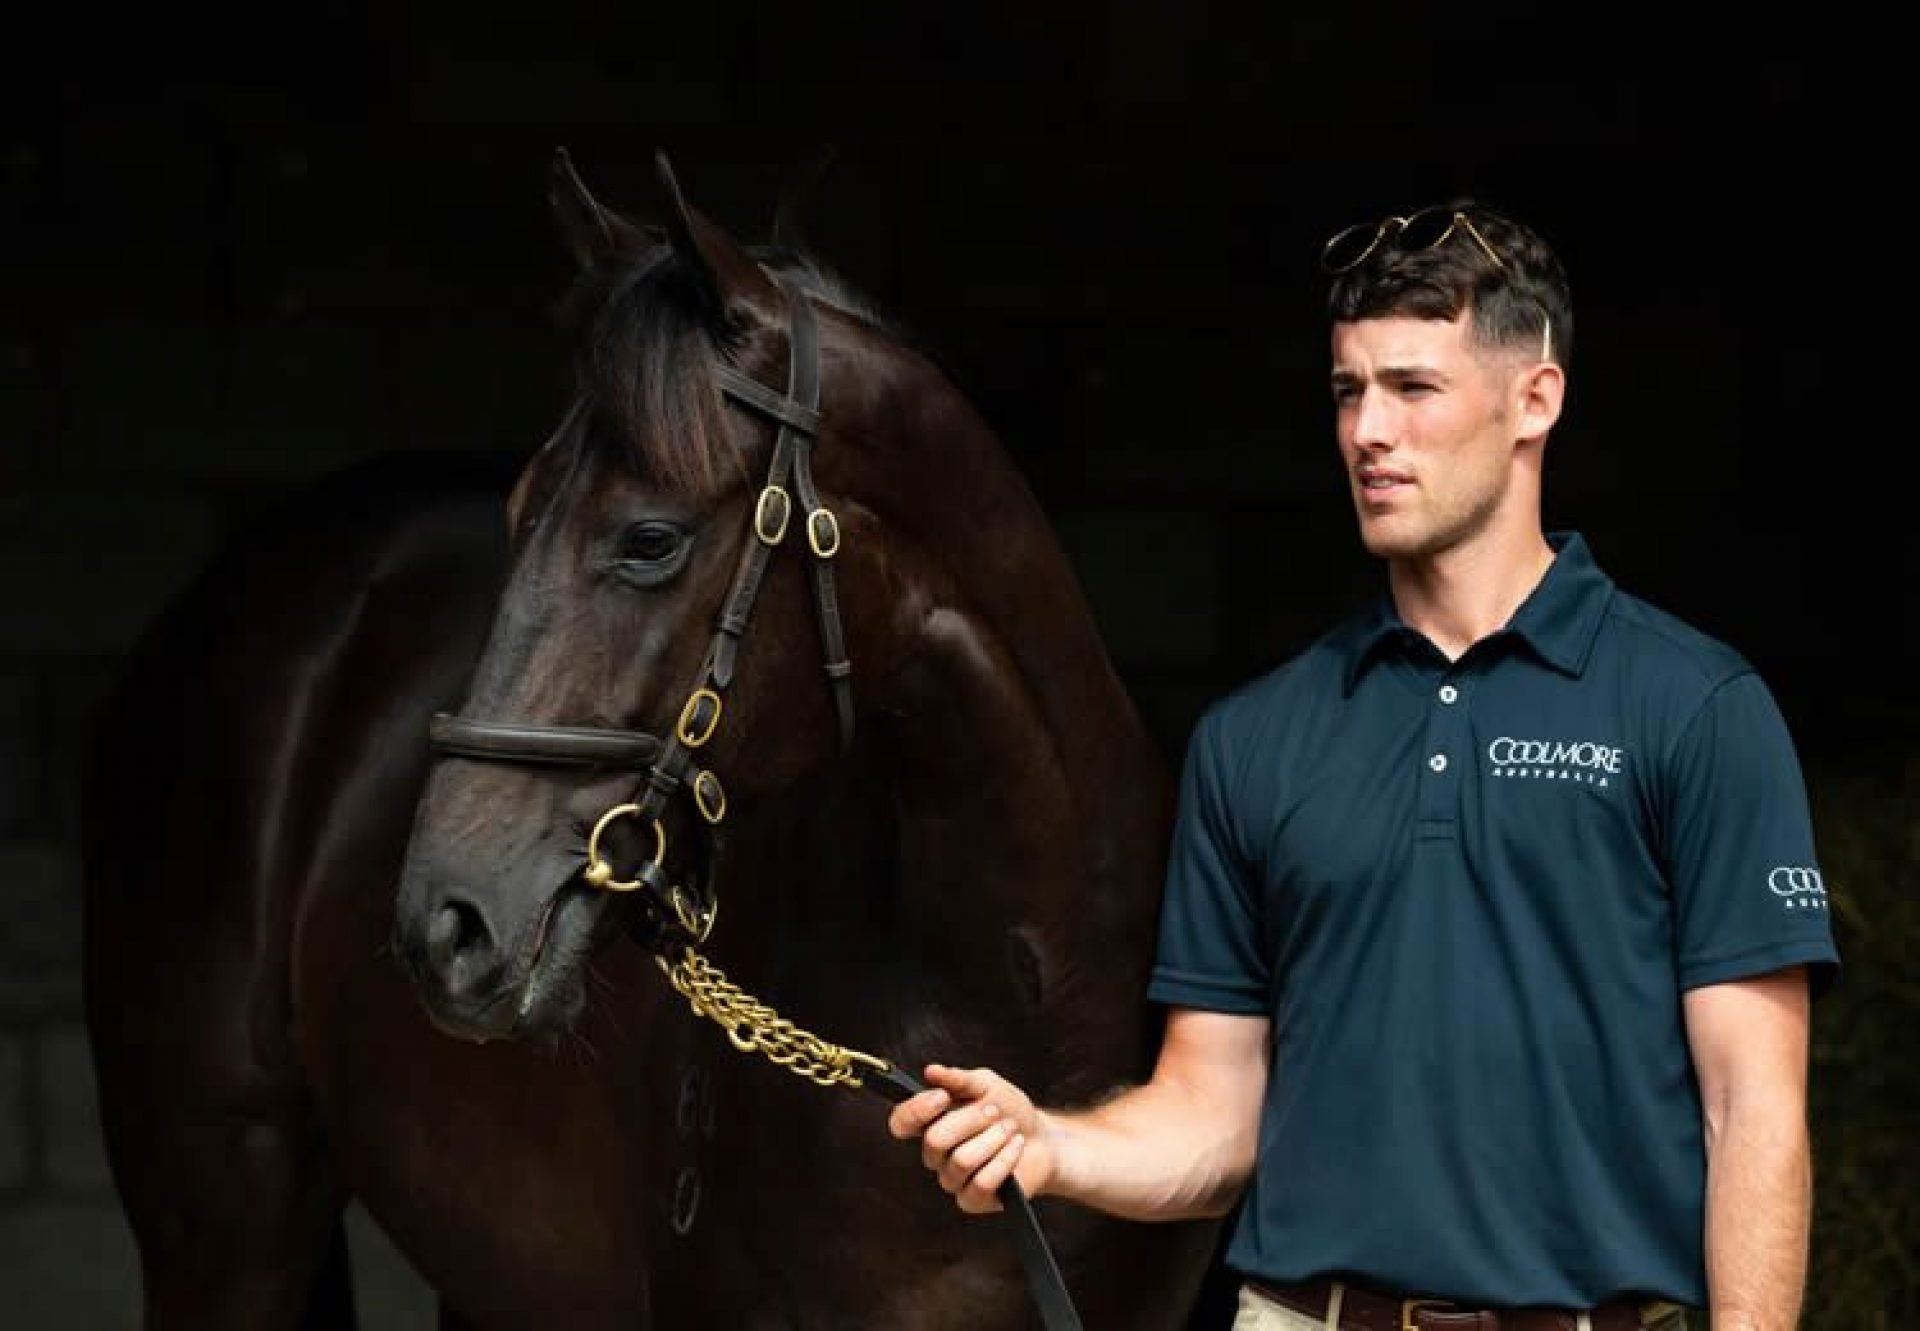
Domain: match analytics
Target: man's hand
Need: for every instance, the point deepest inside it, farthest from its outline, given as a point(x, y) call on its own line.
point(1178, 1147)
point(976, 1130)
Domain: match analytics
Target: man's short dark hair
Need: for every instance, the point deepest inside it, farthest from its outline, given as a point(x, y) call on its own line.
point(1459, 256)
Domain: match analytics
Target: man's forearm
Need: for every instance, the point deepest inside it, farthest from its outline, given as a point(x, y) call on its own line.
point(1155, 1152)
point(1759, 1200)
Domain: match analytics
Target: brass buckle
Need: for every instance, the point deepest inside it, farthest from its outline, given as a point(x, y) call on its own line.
point(1410, 1309)
point(823, 533)
point(709, 796)
point(770, 515)
point(698, 718)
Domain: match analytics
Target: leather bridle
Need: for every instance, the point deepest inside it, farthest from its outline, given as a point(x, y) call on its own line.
point(671, 764)
point(678, 920)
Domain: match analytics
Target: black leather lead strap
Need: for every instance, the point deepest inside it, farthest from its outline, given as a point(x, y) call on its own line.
point(1057, 1312)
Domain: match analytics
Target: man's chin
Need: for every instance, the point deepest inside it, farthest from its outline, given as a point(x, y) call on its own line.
point(1387, 540)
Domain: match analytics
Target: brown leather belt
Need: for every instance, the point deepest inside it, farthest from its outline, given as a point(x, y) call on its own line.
point(1367, 1310)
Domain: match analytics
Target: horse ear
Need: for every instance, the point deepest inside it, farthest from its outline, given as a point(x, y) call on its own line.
point(593, 234)
point(730, 276)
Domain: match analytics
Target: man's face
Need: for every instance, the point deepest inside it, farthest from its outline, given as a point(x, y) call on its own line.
point(1424, 423)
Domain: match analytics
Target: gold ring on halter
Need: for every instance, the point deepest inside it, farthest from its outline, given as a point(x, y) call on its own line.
point(599, 872)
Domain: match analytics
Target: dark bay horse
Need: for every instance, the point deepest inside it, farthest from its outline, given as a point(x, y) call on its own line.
point(546, 874)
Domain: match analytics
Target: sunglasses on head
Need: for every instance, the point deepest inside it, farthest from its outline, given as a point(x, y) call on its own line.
point(1424, 230)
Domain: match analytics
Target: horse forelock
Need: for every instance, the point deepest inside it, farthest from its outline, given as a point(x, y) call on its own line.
point(649, 347)
point(644, 365)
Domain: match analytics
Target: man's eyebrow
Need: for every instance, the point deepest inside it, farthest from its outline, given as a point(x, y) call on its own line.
point(1401, 373)
point(1387, 374)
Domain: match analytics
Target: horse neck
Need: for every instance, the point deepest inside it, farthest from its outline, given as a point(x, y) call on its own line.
point(1027, 789)
point(980, 877)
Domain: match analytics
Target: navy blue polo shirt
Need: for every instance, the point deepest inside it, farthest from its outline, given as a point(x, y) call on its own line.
point(1470, 895)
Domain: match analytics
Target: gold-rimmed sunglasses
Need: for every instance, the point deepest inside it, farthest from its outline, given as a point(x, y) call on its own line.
point(1422, 230)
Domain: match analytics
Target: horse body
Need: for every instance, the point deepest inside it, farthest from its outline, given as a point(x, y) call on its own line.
point(325, 964)
point(253, 775)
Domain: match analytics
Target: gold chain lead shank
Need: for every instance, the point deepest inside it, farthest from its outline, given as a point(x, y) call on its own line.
point(753, 1027)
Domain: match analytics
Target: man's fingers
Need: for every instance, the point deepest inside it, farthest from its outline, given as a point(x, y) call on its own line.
point(965, 1083)
point(981, 1195)
point(968, 1140)
point(958, 1126)
point(911, 1116)
point(977, 1150)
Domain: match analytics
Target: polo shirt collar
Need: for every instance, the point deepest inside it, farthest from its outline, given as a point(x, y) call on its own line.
point(1559, 619)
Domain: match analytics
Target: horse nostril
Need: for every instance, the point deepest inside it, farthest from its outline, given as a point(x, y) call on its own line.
point(456, 930)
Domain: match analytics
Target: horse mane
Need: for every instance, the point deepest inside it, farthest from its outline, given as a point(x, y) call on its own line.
point(649, 344)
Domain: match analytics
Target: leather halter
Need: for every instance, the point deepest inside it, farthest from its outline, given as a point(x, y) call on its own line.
point(670, 763)
point(677, 923)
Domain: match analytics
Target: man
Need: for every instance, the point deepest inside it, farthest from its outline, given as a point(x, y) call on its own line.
point(1492, 918)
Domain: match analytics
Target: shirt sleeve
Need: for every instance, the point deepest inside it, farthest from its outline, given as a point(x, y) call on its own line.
point(1209, 954)
point(1748, 894)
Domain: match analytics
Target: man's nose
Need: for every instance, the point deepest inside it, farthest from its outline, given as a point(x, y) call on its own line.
point(1373, 423)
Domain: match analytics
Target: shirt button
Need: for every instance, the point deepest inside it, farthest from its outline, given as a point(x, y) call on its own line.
point(1449, 694)
point(1438, 762)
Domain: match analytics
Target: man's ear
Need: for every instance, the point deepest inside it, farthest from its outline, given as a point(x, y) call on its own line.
point(1540, 391)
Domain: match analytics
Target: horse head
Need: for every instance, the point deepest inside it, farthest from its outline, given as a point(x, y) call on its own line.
point(653, 650)
point(782, 611)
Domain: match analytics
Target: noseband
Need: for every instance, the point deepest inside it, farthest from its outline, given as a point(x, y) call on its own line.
point(679, 921)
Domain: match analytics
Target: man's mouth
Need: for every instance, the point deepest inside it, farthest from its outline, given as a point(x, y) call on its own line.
point(1382, 480)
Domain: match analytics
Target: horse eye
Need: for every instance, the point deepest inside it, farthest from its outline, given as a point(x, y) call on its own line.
point(650, 549)
point(650, 542)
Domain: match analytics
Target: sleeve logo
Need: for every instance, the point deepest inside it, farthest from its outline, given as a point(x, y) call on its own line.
point(1798, 888)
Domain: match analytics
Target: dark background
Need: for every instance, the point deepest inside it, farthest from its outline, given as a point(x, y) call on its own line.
point(244, 247)
point(254, 245)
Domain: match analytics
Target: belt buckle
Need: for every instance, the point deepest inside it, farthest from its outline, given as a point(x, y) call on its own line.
point(1410, 1309)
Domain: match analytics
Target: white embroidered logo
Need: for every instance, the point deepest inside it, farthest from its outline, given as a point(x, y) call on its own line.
point(1556, 759)
point(1798, 888)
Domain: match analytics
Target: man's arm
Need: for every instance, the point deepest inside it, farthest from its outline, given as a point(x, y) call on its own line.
point(1749, 1044)
point(1178, 1147)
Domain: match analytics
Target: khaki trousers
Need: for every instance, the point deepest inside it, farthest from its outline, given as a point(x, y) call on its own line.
point(1260, 1313)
